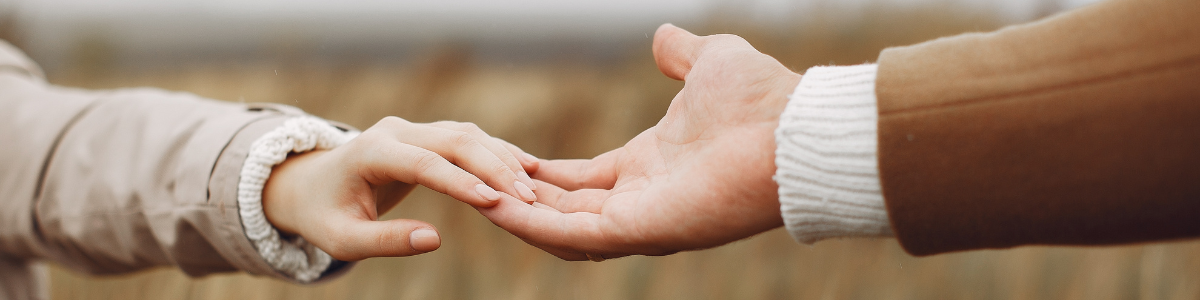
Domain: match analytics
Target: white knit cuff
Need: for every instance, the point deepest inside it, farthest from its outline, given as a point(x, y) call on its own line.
point(827, 170)
point(295, 258)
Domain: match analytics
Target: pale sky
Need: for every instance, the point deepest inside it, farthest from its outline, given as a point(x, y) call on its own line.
point(278, 8)
point(51, 27)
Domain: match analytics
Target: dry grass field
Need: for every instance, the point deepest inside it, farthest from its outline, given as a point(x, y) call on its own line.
point(562, 106)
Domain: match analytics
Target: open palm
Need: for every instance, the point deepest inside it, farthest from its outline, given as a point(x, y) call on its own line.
point(699, 178)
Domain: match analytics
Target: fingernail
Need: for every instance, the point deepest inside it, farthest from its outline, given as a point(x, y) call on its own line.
point(525, 192)
point(529, 157)
point(487, 192)
point(528, 181)
point(424, 240)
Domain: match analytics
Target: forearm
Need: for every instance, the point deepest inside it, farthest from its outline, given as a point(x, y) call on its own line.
point(121, 180)
point(123, 184)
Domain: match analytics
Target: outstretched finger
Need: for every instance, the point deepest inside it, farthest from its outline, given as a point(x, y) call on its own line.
point(573, 174)
point(528, 161)
point(573, 232)
point(402, 162)
point(570, 236)
point(467, 152)
point(360, 239)
point(497, 146)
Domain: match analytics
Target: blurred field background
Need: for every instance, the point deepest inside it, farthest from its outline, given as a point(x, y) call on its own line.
point(571, 95)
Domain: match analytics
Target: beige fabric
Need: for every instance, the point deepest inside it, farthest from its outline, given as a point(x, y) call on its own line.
point(1081, 129)
point(116, 181)
point(13, 60)
point(23, 279)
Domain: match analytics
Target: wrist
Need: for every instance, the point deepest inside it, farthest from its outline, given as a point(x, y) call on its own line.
point(781, 90)
point(294, 257)
point(282, 188)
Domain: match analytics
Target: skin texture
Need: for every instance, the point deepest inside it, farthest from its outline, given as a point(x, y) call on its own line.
point(700, 178)
point(334, 198)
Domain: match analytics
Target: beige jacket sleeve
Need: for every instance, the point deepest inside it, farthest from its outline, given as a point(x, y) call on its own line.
point(116, 181)
point(1081, 129)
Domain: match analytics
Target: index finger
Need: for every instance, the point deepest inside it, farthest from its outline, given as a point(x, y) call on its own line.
point(411, 164)
point(576, 232)
point(497, 146)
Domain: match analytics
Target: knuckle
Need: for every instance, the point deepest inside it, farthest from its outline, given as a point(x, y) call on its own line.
point(383, 239)
point(501, 168)
point(467, 127)
point(391, 121)
point(367, 143)
point(470, 127)
point(447, 124)
point(465, 179)
point(725, 38)
point(370, 135)
point(374, 135)
point(449, 182)
point(462, 139)
point(503, 143)
point(424, 161)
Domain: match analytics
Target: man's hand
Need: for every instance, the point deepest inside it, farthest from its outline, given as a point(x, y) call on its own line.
point(699, 178)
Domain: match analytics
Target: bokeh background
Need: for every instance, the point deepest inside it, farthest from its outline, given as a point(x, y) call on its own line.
point(562, 80)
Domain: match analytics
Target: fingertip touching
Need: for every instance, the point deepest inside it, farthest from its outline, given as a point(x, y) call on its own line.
point(524, 177)
point(525, 192)
point(490, 196)
point(528, 162)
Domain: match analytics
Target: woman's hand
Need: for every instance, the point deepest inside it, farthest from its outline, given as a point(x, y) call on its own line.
point(334, 198)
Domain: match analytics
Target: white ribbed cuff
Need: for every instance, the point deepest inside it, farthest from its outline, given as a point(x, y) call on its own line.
point(826, 162)
point(295, 258)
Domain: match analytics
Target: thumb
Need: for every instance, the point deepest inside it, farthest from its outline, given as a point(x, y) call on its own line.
point(675, 50)
point(362, 239)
